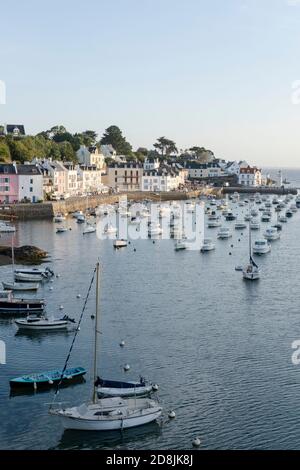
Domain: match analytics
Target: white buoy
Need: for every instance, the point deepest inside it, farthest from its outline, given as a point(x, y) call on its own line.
point(196, 442)
point(122, 344)
point(57, 275)
point(172, 414)
point(50, 288)
point(154, 387)
point(51, 280)
point(78, 296)
point(61, 307)
point(126, 367)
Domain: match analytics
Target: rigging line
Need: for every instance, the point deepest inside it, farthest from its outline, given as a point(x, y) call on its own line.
point(75, 335)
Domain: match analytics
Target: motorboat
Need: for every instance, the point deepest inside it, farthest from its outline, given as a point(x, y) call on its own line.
point(35, 323)
point(115, 388)
point(80, 219)
point(59, 218)
point(214, 223)
point(240, 225)
point(20, 286)
point(254, 224)
point(289, 213)
point(6, 228)
point(265, 217)
point(105, 414)
point(261, 247)
point(254, 213)
point(224, 233)
point(120, 243)
point(271, 234)
point(180, 245)
point(61, 229)
point(247, 217)
point(10, 304)
point(89, 228)
point(230, 216)
point(207, 245)
point(282, 219)
point(77, 214)
point(293, 208)
point(33, 275)
point(48, 379)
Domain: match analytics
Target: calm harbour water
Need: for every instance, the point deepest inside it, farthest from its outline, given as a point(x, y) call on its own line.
point(219, 347)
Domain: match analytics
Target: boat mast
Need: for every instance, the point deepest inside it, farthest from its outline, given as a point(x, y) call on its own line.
point(12, 253)
point(250, 248)
point(96, 332)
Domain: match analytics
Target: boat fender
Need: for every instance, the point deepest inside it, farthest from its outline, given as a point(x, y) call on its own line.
point(34, 385)
point(126, 367)
point(50, 382)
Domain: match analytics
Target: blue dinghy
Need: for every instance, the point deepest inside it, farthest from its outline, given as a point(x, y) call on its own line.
point(47, 379)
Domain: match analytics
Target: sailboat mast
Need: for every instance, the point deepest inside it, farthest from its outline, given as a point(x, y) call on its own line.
point(96, 331)
point(12, 253)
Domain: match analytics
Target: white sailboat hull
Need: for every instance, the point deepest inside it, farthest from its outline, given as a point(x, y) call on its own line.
point(110, 424)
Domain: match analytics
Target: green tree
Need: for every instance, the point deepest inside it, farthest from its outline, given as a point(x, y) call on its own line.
point(113, 136)
point(4, 151)
point(165, 146)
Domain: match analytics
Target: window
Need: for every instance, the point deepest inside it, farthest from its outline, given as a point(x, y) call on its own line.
point(31, 181)
point(31, 189)
point(116, 172)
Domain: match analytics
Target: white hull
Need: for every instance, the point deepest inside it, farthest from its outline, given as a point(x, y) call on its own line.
point(29, 277)
point(40, 327)
point(120, 243)
point(110, 424)
point(19, 286)
point(262, 251)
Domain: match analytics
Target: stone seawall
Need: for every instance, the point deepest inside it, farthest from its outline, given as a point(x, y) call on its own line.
point(46, 210)
point(266, 190)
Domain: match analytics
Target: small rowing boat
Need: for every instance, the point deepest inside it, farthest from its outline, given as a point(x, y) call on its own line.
point(34, 323)
point(20, 286)
point(47, 379)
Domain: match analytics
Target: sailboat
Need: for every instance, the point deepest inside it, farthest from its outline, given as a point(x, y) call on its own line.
point(103, 414)
point(251, 272)
point(18, 286)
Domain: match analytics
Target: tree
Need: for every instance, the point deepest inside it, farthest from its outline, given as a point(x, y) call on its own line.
point(113, 136)
point(165, 146)
point(202, 153)
point(66, 151)
point(4, 151)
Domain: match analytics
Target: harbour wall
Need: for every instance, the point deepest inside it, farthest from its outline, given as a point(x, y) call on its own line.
point(263, 190)
point(46, 210)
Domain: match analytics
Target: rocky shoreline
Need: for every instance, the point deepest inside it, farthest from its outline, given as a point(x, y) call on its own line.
point(25, 254)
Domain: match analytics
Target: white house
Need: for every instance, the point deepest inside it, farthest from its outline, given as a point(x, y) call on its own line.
point(250, 176)
point(151, 164)
point(30, 183)
point(88, 179)
point(91, 156)
point(205, 170)
point(71, 178)
point(164, 178)
point(233, 168)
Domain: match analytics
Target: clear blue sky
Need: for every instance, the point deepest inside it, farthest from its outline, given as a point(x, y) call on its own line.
point(214, 73)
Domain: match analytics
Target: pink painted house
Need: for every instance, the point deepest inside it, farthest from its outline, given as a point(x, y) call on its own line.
point(9, 183)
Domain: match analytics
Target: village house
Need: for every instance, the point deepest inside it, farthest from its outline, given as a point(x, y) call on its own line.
point(91, 156)
point(15, 130)
point(88, 179)
point(250, 176)
point(163, 178)
point(125, 176)
point(9, 183)
point(205, 170)
point(30, 183)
